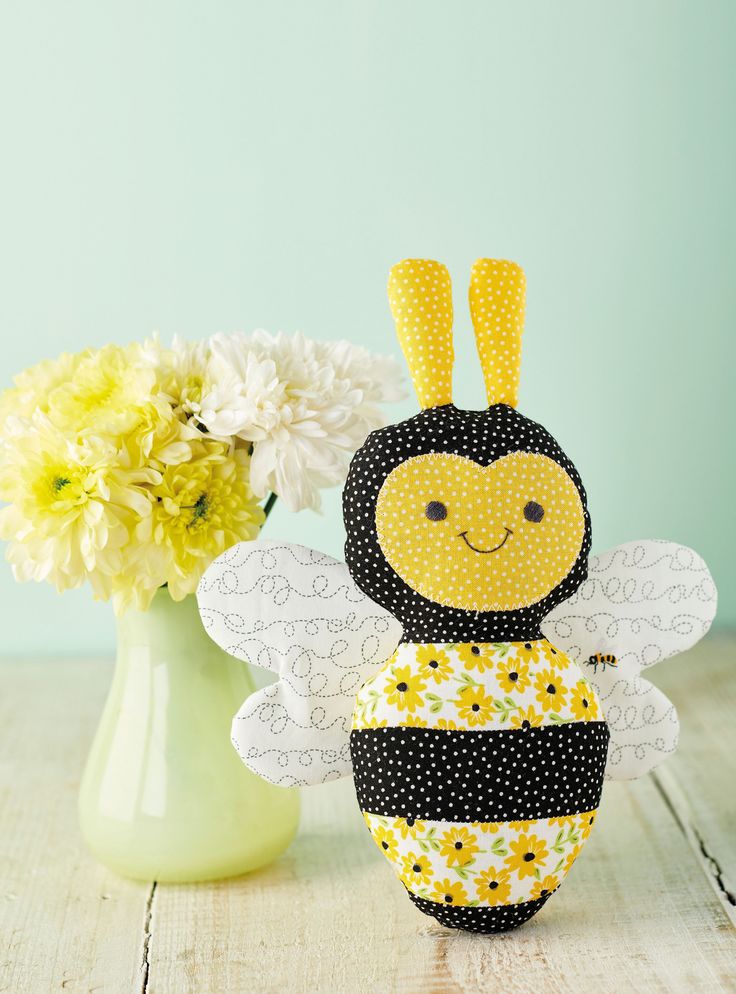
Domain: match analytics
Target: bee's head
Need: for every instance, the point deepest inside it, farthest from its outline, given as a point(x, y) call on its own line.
point(464, 524)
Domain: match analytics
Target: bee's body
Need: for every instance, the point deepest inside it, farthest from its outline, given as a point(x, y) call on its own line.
point(491, 767)
point(469, 527)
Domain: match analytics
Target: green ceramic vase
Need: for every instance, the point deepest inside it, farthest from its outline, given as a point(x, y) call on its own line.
point(164, 795)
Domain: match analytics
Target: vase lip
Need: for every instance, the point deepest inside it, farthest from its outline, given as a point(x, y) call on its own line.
point(162, 610)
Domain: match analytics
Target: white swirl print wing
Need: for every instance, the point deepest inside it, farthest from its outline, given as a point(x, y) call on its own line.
point(298, 613)
point(642, 602)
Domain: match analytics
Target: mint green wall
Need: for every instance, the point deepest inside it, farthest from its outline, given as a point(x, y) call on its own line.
point(207, 166)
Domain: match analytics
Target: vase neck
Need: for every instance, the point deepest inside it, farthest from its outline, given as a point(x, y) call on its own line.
point(167, 627)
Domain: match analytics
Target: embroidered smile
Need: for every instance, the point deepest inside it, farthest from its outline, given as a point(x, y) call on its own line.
point(464, 537)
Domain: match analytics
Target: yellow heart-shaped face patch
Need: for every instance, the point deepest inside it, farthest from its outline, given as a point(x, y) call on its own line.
point(480, 538)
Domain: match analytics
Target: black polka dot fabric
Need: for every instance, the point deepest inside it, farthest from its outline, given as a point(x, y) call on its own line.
point(480, 919)
point(483, 436)
point(480, 776)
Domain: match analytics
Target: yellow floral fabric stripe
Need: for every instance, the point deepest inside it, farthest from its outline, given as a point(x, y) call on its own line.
point(476, 685)
point(481, 863)
point(420, 296)
point(497, 302)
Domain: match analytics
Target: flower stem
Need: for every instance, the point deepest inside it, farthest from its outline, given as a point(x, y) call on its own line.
point(267, 507)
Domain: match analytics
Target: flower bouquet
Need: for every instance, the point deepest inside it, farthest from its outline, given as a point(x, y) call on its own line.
point(132, 468)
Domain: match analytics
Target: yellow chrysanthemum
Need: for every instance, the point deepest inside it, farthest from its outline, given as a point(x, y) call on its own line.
point(105, 395)
point(201, 507)
point(72, 507)
point(33, 387)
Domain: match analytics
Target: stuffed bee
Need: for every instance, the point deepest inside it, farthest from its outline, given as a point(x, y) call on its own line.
point(472, 667)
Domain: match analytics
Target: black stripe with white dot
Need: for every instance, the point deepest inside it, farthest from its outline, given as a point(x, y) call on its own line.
point(480, 919)
point(489, 776)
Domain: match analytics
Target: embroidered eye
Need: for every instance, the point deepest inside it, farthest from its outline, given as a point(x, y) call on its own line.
point(533, 511)
point(436, 511)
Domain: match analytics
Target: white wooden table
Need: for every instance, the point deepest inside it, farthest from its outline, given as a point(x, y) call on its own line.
point(650, 907)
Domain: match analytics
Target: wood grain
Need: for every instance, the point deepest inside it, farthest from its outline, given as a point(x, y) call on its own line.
point(699, 782)
point(642, 911)
point(66, 923)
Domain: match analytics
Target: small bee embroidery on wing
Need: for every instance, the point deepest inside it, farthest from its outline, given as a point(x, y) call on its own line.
point(601, 659)
point(472, 666)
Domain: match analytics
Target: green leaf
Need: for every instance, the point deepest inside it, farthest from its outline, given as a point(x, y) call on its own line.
point(559, 720)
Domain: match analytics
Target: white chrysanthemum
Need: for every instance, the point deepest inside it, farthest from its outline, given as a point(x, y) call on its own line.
point(304, 406)
point(182, 373)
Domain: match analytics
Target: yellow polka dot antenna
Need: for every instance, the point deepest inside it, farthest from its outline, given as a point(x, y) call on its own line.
point(497, 302)
point(470, 664)
point(420, 294)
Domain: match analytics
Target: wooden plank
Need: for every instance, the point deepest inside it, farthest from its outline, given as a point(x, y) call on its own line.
point(65, 922)
point(698, 782)
point(636, 915)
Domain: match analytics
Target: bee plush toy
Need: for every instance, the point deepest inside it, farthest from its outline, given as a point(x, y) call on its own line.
point(460, 664)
